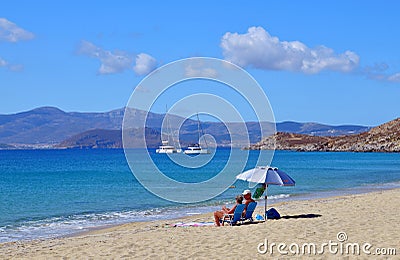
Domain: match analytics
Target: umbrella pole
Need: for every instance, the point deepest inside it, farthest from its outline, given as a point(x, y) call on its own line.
point(265, 203)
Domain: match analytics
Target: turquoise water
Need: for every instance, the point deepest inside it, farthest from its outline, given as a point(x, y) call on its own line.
point(48, 193)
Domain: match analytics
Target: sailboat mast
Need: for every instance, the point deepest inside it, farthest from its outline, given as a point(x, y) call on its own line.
point(166, 124)
point(198, 127)
point(169, 128)
point(202, 132)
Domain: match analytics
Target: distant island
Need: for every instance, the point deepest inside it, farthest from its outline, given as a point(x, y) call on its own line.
point(52, 128)
point(384, 138)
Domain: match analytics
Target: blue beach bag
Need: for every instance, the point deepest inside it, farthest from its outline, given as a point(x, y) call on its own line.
point(272, 213)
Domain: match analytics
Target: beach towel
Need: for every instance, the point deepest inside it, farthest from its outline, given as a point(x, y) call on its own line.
point(259, 192)
point(193, 224)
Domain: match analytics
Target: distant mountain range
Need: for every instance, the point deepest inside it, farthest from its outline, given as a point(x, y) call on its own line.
point(100, 138)
point(51, 127)
point(383, 138)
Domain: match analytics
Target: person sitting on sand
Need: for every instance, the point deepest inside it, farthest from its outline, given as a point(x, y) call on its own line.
point(247, 197)
point(219, 214)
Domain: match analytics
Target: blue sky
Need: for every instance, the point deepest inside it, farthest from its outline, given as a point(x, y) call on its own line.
point(334, 63)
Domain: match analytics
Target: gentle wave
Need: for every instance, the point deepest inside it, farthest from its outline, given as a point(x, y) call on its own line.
point(61, 226)
point(66, 225)
point(279, 196)
point(94, 189)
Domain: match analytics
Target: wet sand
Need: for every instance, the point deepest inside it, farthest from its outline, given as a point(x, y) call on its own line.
point(366, 219)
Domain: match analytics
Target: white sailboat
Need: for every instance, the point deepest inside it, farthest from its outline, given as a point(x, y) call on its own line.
point(166, 147)
point(195, 149)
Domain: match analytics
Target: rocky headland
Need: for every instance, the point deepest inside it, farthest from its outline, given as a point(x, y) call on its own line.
point(383, 138)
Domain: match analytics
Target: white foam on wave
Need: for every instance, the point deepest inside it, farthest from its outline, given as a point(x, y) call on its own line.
point(66, 225)
point(61, 226)
point(279, 196)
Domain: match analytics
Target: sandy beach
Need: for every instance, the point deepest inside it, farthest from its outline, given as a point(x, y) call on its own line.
point(336, 226)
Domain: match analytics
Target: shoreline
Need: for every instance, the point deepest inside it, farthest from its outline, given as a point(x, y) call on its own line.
point(260, 208)
point(277, 201)
point(178, 212)
point(318, 219)
point(49, 148)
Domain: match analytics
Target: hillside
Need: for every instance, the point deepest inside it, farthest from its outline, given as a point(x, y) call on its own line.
point(383, 138)
point(97, 138)
point(48, 126)
point(106, 139)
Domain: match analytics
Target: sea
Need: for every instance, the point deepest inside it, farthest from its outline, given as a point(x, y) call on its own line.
point(54, 193)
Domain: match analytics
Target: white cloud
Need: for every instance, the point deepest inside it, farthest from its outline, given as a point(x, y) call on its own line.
point(375, 71)
point(191, 71)
point(111, 62)
point(381, 72)
point(117, 61)
point(394, 78)
point(258, 49)
point(3, 63)
point(12, 67)
point(197, 68)
point(144, 64)
point(142, 89)
point(10, 32)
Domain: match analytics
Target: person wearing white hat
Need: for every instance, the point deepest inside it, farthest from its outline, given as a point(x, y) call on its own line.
point(247, 197)
point(245, 192)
